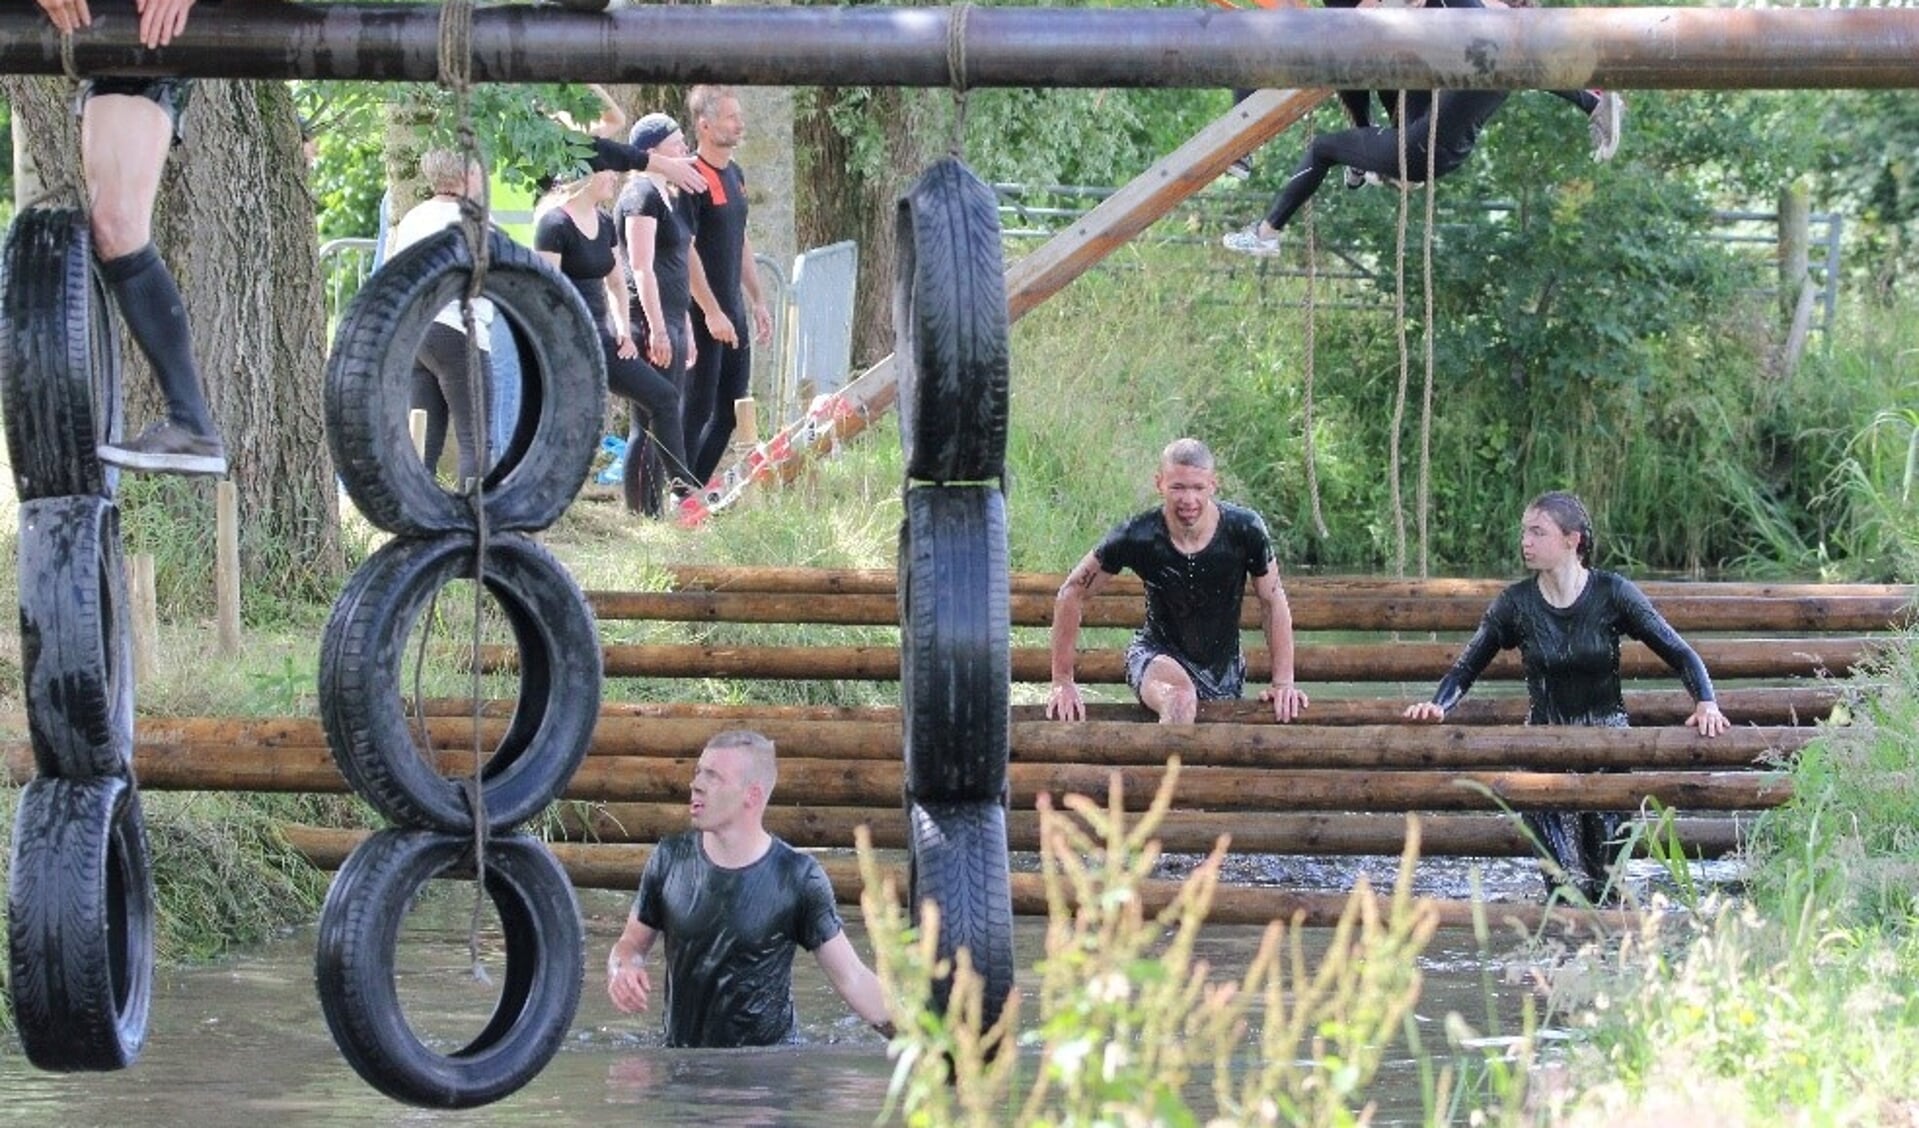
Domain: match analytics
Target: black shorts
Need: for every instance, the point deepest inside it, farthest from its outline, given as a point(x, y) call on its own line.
point(170, 94)
point(1207, 686)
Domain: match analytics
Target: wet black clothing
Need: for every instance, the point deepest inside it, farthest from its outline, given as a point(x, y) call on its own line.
point(1192, 602)
point(1571, 660)
point(1571, 654)
point(156, 318)
point(730, 938)
point(720, 373)
point(663, 425)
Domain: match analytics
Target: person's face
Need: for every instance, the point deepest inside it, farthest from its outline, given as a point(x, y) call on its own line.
point(1187, 491)
point(1543, 545)
point(673, 146)
point(602, 186)
point(726, 128)
point(475, 183)
point(721, 790)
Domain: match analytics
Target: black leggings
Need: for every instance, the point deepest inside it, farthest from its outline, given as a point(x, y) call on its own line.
point(655, 401)
point(441, 390)
point(720, 375)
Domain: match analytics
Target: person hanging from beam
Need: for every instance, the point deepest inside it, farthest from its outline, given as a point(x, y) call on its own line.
point(1449, 119)
point(1194, 555)
point(128, 125)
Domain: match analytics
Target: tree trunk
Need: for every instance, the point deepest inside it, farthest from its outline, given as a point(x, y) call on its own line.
point(235, 222)
point(856, 150)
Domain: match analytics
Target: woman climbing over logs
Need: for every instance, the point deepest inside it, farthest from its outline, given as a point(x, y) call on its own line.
point(1566, 622)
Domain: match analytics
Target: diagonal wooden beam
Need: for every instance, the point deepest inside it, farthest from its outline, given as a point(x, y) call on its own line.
point(1144, 200)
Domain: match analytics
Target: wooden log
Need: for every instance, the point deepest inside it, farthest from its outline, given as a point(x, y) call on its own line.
point(874, 784)
point(1252, 832)
point(1115, 743)
point(226, 566)
point(1330, 662)
point(618, 866)
point(143, 614)
point(1312, 611)
point(1780, 705)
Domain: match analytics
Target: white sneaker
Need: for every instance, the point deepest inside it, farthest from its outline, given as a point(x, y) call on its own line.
point(1605, 122)
point(1247, 242)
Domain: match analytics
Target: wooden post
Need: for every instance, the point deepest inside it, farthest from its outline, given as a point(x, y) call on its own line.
point(1795, 225)
point(226, 566)
point(145, 615)
point(416, 426)
point(746, 423)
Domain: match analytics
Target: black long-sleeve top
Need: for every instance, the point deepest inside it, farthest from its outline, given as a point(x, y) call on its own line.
point(1571, 654)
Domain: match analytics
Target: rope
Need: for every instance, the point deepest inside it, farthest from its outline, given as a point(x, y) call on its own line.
point(956, 74)
point(1426, 404)
point(1312, 350)
point(67, 65)
point(456, 73)
point(1399, 314)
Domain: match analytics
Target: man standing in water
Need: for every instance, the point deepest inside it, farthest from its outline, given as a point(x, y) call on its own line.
point(725, 285)
point(734, 902)
point(1194, 554)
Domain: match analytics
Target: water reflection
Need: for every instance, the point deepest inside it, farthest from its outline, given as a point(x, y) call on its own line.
point(241, 1043)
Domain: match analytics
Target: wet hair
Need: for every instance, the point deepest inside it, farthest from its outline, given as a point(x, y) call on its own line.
point(1569, 513)
point(762, 764)
point(445, 171)
point(703, 101)
point(1187, 452)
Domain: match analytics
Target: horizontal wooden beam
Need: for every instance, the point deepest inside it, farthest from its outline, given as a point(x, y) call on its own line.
point(968, 46)
point(618, 866)
point(1313, 662)
point(1312, 610)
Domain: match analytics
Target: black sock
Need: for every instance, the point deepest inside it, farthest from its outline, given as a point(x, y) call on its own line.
point(150, 301)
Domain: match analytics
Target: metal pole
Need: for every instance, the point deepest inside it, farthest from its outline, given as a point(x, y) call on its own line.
point(1619, 48)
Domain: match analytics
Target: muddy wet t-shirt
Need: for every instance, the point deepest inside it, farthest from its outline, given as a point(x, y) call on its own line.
point(730, 936)
point(1192, 601)
point(1571, 654)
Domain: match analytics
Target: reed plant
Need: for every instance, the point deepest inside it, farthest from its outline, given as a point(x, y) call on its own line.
point(1131, 1023)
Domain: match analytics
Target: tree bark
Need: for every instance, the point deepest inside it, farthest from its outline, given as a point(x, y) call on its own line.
point(235, 222)
point(856, 150)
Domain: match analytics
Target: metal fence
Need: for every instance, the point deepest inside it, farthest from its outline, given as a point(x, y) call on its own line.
point(1030, 214)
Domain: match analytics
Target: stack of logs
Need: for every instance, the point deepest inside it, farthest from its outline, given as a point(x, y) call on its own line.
point(1340, 784)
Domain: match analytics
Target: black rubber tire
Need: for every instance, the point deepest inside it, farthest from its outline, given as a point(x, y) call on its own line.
point(59, 358)
point(76, 652)
point(949, 320)
point(80, 924)
point(369, 379)
point(956, 664)
point(958, 861)
point(364, 662)
point(539, 988)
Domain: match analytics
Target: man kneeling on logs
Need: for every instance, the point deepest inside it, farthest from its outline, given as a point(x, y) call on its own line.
point(1194, 554)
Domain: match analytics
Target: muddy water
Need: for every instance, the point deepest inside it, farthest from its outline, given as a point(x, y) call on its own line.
point(241, 1043)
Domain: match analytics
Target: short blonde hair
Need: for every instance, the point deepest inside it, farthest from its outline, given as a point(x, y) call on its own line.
point(1187, 452)
point(762, 761)
point(446, 171)
point(703, 101)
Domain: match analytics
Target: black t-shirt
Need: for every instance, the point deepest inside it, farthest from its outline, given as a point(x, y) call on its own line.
point(730, 936)
point(1571, 654)
point(718, 220)
point(585, 262)
point(644, 198)
point(1192, 602)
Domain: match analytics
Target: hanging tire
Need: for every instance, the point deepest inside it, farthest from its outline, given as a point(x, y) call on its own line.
point(76, 654)
point(80, 924)
point(949, 321)
point(59, 358)
point(363, 655)
point(955, 643)
point(370, 372)
point(958, 861)
point(539, 990)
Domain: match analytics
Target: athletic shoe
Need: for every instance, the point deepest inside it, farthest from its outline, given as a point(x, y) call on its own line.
point(690, 512)
point(1248, 242)
point(1604, 124)
point(1358, 179)
point(1241, 169)
point(168, 448)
